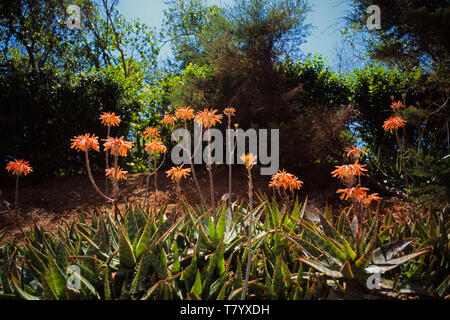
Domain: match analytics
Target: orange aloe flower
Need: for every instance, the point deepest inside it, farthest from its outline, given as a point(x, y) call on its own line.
point(176, 173)
point(249, 160)
point(110, 119)
point(118, 146)
point(294, 183)
point(282, 179)
point(169, 120)
point(229, 112)
point(355, 152)
point(357, 193)
point(85, 142)
point(349, 170)
point(121, 174)
point(185, 113)
point(19, 167)
point(151, 132)
point(393, 123)
point(371, 197)
point(208, 118)
point(156, 146)
point(397, 105)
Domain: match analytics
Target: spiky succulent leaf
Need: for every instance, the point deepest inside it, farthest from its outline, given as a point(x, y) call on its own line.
point(386, 252)
point(140, 274)
point(322, 268)
point(126, 255)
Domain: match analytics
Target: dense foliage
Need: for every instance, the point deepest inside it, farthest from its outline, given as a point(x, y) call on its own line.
point(159, 255)
point(55, 81)
point(39, 125)
point(411, 33)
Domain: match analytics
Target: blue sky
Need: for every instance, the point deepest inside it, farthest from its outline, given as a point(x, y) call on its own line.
point(326, 16)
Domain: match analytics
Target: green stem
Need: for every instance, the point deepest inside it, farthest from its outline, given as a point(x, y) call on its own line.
point(229, 163)
point(250, 233)
point(91, 179)
point(156, 185)
point(148, 179)
point(16, 197)
point(107, 162)
point(16, 204)
point(403, 164)
point(211, 181)
point(116, 183)
point(194, 175)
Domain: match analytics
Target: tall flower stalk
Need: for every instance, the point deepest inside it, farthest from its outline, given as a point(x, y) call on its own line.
point(118, 147)
point(154, 149)
point(186, 114)
point(229, 112)
point(393, 124)
point(18, 168)
point(85, 143)
point(356, 153)
point(176, 173)
point(349, 175)
point(207, 119)
point(109, 120)
point(150, 133)
point(249, 161)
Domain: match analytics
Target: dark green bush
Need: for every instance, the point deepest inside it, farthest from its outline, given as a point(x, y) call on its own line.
point(41, 112)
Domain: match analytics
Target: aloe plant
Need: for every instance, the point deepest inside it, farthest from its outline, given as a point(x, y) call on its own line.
point(431, 273)
point(7, 254)
point(351, 252)
point(141, 257)
point(161, 255)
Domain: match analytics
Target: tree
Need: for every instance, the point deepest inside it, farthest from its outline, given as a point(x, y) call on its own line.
point(34, 33)
point(189, 25)
point(413, 43)
point(109, 63)
point(241, 45)
point(246, 56)
point(412, 33)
